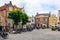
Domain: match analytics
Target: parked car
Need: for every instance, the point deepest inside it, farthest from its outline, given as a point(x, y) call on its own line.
point(37, 27)
point(16, 31)
point(54, 28)
point(58, 28)
point(32, 27)
point(29, 28)
point(24, 28)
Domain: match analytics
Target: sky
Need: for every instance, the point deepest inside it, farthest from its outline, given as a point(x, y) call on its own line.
point(32, 7)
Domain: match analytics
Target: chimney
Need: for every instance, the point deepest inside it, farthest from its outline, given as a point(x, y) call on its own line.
point(5, 4)
point(10, 3)
point(23, 9)
point(37, 13)
point(49, 14)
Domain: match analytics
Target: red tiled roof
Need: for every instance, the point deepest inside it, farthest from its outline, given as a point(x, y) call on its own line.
point(3, 7)
point(14, 6)
point(58, 10)
point(20, 8)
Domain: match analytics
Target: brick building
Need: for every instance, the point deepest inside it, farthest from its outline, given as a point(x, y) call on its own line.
point(42, 20)
point(4, 12)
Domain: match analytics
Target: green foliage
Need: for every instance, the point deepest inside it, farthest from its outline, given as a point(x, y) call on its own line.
point(18, 16)
point(15, 15)
point(24, 18)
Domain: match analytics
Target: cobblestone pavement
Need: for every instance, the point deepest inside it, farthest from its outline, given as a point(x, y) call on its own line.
point(41, 34)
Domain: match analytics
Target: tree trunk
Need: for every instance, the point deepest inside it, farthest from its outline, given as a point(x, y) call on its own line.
point(22, 27)
point(16, 27)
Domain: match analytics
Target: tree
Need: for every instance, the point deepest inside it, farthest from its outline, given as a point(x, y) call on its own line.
point(24, 18)
point(18, 16)
point(15, 15)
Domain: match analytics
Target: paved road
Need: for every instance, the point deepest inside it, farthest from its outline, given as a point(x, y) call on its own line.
point(41, 34)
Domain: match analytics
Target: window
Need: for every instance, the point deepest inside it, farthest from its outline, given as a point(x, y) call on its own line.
point(9, 24)
point(41, 19)
point(32, 20)
point(58, 22)
point(37, 20)
point(0, 19)
point(10, 8)
point(37, 25)
point(59, 18)
point(46, 19)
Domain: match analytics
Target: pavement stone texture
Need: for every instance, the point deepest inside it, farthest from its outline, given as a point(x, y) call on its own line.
point(41, 34)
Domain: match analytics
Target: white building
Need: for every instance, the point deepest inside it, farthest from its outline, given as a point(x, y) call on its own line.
point(32, 20)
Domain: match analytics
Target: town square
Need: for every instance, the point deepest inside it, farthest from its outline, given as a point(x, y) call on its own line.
point(29, 20)
point(41, 34)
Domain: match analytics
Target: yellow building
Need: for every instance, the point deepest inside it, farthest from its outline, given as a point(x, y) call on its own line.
point(52, 20)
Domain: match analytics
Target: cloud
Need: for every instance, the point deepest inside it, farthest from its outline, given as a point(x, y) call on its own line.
point(42, 6)
point(33, 6)
point(2, 2)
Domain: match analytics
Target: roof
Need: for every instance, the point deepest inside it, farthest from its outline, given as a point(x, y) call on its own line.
point(45, 14)
point(58, 10)
point(17, 7)
point(5, 6)
point(2, 7)
point(14, 6)
point(42, 15)
point(20, 8)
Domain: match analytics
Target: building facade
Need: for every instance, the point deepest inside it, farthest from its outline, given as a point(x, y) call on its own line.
point(4, 21)
point(31, 21)
point(58, 18)
point(52, 20)
point(42, 20)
